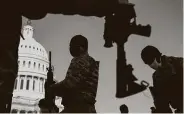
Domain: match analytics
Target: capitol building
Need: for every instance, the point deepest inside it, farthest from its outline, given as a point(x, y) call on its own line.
point(29, 84)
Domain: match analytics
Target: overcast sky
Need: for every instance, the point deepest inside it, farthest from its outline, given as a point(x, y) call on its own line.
point(165, 16)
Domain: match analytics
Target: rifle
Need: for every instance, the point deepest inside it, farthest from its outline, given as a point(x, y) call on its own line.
point(118, 27)
point(49, 101)
point(49, 80)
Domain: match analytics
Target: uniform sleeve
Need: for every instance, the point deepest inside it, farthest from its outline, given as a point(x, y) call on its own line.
point(177, 65)
point(158, 83)
point(160, 95)
point(154, 80)
point(76, 73)
point(180, 63)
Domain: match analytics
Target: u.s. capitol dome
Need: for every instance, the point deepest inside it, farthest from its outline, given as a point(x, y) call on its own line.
point(29, 84)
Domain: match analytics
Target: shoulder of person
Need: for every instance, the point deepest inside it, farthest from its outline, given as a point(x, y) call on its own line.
point(155, 75)
point(92, 59)
point(158, 75)
point(80, 61)
point(172, 59)
point(176, 62)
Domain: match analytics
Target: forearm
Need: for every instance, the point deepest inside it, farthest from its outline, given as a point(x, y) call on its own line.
point(70, 83)
point(58, 89)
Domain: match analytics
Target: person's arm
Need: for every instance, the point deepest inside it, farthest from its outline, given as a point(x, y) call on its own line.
point(179, 65)
point(161, 100)
point(75, 75)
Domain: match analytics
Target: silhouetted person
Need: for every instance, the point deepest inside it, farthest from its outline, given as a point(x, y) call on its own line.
point(78, 90)
point(167, 79)
point(43, 106)
point(124, 109)
point(153, 110)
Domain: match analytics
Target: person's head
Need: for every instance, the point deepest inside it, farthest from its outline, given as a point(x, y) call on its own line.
point(153, 109)
point(124, 109)
point(151, 56)
point(43, 106)
point(78, 45)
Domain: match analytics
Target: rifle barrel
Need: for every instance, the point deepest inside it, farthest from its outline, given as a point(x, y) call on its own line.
point(50, 59)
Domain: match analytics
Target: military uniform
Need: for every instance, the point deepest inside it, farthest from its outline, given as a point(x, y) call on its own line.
point(168, 84)
point(78, 90)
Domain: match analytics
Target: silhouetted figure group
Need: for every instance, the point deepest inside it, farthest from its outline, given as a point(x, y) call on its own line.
point(78, 89)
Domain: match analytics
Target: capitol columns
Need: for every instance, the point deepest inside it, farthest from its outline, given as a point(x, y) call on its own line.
point(18, 82)
point(40, 84)
point(25, 81)
point(44, 84)
point(31, 83)
point(37, 84)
